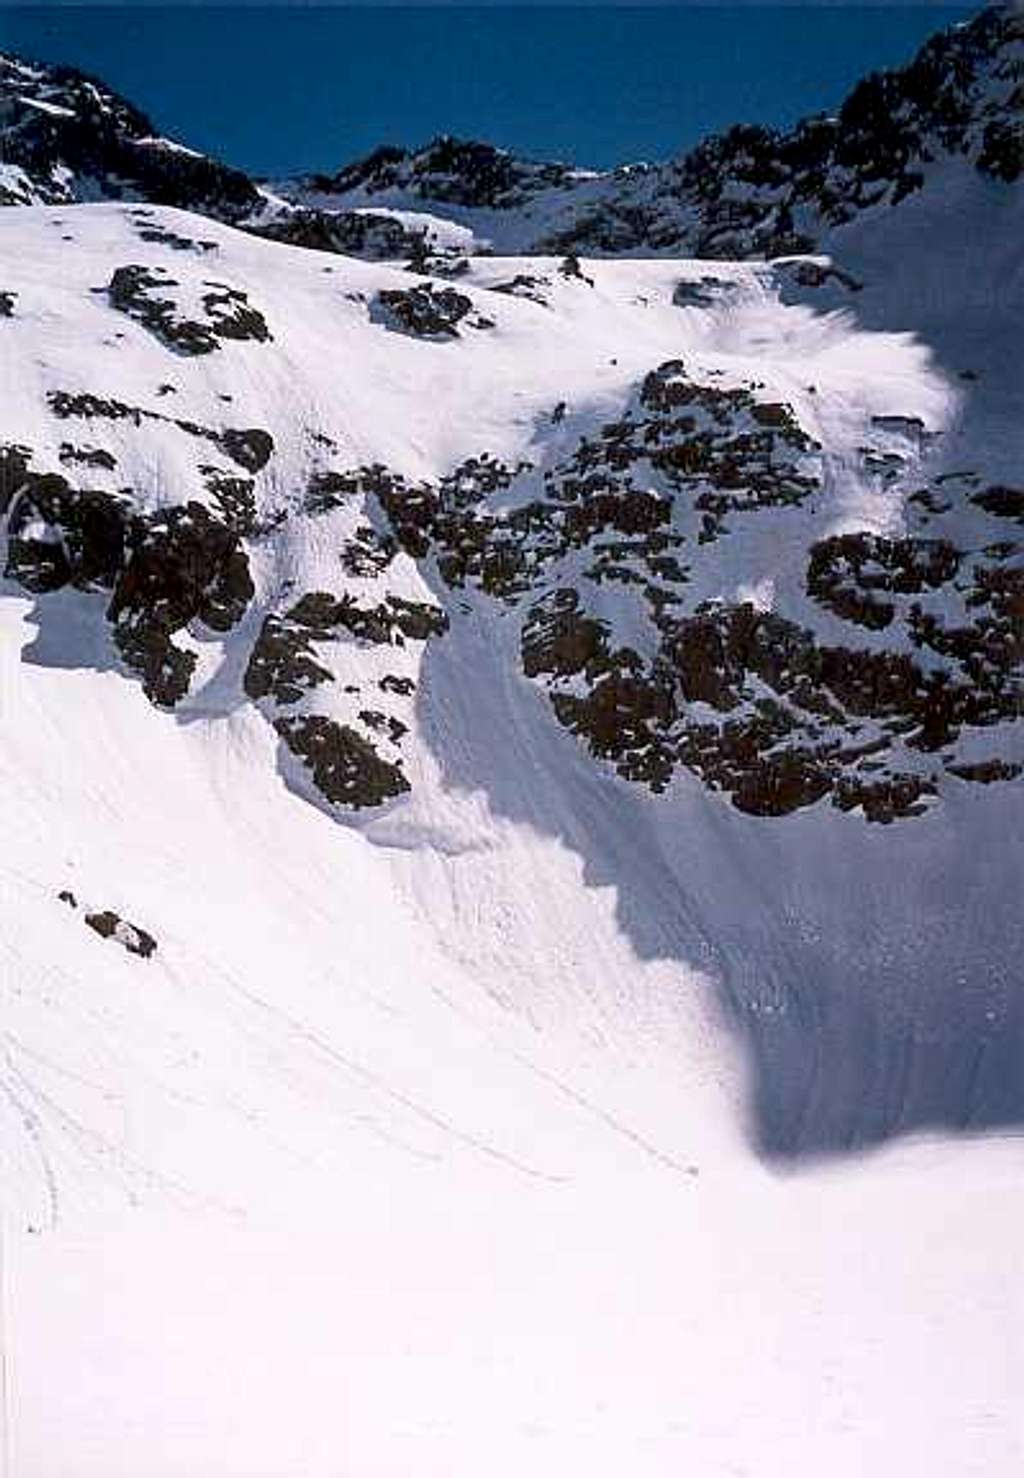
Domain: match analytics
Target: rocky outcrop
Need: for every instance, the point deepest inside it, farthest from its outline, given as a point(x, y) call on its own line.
point(58, 536)
point(136, 290)
point(761, 707)
point(249, 447)
point(282, 665)
point(853, 573)
point(184, 567)
point(353, 233)
point(110, 925)
point(424, 311)
point(69, 137)
point(343, 765)
point(163, 571)
point(295, 654)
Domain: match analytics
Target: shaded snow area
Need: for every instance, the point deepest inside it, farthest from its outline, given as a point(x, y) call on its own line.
point(509, 903)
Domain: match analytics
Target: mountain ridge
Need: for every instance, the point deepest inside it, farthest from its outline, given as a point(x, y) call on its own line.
point(751, 191)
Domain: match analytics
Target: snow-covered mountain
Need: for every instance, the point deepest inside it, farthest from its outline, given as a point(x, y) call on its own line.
point(490, 743)
point(752, 191)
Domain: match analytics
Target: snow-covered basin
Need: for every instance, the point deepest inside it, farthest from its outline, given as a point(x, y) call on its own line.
point(319, 1190)
point(428, 1144)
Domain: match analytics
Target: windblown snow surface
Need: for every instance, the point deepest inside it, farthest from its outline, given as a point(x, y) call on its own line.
point(532, 1121)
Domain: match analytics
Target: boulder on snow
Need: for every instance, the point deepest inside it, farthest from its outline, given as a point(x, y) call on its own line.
point(110, 925)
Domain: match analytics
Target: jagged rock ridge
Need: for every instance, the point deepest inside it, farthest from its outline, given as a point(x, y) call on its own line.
point(750, 192)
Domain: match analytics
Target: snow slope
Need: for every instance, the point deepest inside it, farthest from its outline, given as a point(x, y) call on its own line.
point(426, 1138)
point(300, 1195)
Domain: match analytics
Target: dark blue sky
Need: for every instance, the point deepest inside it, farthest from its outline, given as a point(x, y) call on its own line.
point(283, 88)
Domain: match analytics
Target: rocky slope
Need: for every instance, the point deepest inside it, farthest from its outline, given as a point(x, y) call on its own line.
point(692, 585)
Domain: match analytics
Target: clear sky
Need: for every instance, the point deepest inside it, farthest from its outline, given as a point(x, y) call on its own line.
point(288, 87)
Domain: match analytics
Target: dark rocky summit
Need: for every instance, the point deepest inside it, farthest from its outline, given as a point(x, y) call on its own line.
point(448, 170)
point(759, 192)
point(70, 137)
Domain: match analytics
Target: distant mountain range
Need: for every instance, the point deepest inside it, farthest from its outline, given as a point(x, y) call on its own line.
point(749, 192)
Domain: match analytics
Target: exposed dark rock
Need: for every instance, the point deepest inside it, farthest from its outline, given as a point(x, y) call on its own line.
point(367, 553)
point(285, 666)
point(558, 638)
point(282, 664)
point(817, 274)
point(1004, 502)
point(349, 232)
point(569, 268)
point(704, 292)
point(380, 625)
point(135, 290)
point(58, 536)
point(424, 311)
point(232, 315)
point(1002, 150)
point(449, 170)
point(14, 460)
point(86, 456)
point(87, 142)
point(847, 573)
point(111, 926)
point(235, 498)
point(184, 566)
point(328, 490)
point(250, 448)
point(344, 766)
point(524, 286)
point(88, 407)
point(886, 800)
point(985, 772)
point(391, 683)
point(162, 236)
